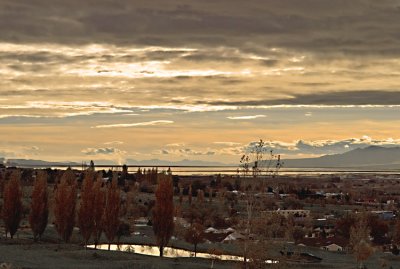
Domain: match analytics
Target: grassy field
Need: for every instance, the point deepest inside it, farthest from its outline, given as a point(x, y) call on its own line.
point(22, 252)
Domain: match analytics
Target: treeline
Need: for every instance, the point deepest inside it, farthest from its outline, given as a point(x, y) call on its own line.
point(97, 211)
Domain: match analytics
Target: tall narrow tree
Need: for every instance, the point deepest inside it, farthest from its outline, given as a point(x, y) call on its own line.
point(12, 207)
point(359, 240)
point(64, 205)
point(190, 194)
point(163, 212)
point(111, 211)
point(87, 205)
point(1, 184)
point(98, 210)
point(39, 206)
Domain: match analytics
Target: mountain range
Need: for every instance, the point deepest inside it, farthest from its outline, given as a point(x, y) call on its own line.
point(29, 162)
point(369, 158)
point(152, 162)
point(372, 157)
point(184, 162)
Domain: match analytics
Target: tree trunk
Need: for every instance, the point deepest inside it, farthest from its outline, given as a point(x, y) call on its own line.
point(161, 251)
point(109, 246)
point(195, 249)
point(245, 254)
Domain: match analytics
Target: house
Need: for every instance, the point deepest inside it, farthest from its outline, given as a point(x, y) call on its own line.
point(211, 230)
point(333, 247)
point(384, 215)
point(229, 230)
point(215, 237)
point(330, 244)
point(233, 237)
point(182, 222)
point(296, 213)
point(141, 221)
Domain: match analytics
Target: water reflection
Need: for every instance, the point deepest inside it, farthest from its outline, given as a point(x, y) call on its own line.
point(168, 252)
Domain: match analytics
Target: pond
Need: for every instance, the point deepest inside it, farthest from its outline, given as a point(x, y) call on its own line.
point(169, 252)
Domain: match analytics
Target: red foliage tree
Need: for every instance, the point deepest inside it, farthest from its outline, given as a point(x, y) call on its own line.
point(379, 228)
point(12, 207)
point(64, 205)
point(98, 210)
point(39, 206)
point(111, 211)
point(344, 224)
point(163, 212)
point(1, 184)
point(86, 210)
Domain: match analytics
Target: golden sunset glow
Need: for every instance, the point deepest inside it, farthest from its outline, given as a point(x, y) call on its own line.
point(190, 81)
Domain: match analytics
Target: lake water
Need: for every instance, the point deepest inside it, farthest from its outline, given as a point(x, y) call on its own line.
point(231, 170)
point(170, 252)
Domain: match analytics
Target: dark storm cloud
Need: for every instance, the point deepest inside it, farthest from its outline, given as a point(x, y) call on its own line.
point(269, 63)
point(344, 98)
point(335, 26)
point(211, 57)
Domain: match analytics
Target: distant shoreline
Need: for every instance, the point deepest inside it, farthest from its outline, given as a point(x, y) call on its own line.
point(204, 170)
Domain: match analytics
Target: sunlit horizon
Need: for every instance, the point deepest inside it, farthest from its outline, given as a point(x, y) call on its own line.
point(197, 82)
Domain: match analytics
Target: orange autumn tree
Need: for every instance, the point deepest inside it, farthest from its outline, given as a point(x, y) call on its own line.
point(12, 207)
point(87, 205)
point(64, 205)
point(39, 214)
point(359, 240)
point(98, 210)
point(163, 212)
point(1, 183)
point(111, 210)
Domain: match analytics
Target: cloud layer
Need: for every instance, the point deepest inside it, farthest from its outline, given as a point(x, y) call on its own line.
point(147, 74)
point(323, 147)
point(126, 125)
point(337, 26)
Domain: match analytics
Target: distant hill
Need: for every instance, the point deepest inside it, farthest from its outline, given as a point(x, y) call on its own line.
point(29, 162)
point(372, 157)
point(184, 162)
point(369, 158)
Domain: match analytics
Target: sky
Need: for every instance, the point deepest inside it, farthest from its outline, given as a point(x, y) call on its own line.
point(201, 80)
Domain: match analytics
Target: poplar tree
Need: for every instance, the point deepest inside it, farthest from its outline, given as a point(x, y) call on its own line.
point(39, 214)
point(98, 210)
point(359, 241)
point(111, 211)
point(12, 207)
point(163, 212)
point(64, 205)
point(87, 204)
